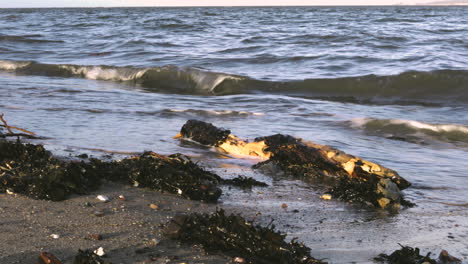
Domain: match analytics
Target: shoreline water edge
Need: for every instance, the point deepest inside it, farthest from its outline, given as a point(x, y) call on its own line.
point(28, 169)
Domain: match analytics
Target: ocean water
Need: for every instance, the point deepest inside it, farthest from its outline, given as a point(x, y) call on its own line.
point(389, 84)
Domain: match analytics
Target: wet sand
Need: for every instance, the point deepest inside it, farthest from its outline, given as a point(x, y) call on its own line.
point(130, 229)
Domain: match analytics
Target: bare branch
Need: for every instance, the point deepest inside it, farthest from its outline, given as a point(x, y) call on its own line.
point(9, 128)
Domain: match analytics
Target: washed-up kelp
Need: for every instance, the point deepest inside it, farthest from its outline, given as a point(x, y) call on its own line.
point(31, 170)
point(175, 174)
point(204, 133)
point(406, 255)
point(88, 257)
point(409, 255)
point(244, 182)
point(356, 179)
point(236, 237)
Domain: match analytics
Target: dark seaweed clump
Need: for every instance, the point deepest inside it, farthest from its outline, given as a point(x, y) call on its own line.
point(175, 174)
point(31, 170)
point(406, 255)
point(204, 133)
point(356, 190)
point(88, 257)
point(368, 191)
point(295, 158)
point(236, 237)
point(244, 182)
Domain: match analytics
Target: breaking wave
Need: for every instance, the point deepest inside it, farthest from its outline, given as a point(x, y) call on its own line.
point(412, 131)
point(413, 87)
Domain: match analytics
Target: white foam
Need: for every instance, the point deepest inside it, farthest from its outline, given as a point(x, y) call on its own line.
point(417, 125)
point(208, 81)
point(13, 65)
point(216, 112)
point(107, 74)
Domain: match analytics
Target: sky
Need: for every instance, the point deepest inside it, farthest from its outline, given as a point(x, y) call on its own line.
point(109, 3)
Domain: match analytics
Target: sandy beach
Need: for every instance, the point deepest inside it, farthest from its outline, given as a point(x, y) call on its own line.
point(130, 229)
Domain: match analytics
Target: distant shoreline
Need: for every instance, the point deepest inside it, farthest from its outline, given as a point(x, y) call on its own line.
point(256, 6)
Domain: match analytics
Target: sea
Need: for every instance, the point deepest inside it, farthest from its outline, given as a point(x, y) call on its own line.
point(388, 84)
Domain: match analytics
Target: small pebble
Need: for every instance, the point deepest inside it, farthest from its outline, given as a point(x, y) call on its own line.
point(100, 252)
point(239, 260)
point(123, 198)
point(103, 198)
point(8, 191)
point(326, 196)
point(95, 236)
point(154, 206)
point(284, 206)
point(153, 242)
point(48, 258)
point(98, 213)
point(54, 236)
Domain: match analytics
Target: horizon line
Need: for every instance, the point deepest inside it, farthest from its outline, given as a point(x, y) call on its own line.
point(189, 6)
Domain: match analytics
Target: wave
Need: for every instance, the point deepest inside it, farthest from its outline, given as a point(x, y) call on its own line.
point(412, 131)
point(27, 39)
point(190, 113)
point(441, 87)
point(213, 113)
point(392, 19)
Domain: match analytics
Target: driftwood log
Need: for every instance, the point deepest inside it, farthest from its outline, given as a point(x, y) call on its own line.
point(354, 179)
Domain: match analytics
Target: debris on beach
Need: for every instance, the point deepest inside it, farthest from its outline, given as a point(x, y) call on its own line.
point(238, 238)
point(204, 133)
point(25, 133)
point(446, 258)
point(103, 198)
point(88, 257)
point(31, 170)
point(154, 206)
point(48, 258)
point(94, 237)
point(244, 182)
point(55, 236)
point(100, 251)
point(353, 179)
point(409, 255)
point(98, 213)
point(175, 174)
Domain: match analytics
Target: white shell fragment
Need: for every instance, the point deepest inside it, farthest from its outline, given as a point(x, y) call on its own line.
point(103, 198)
point(100, 252)
point(55, 236)
point(239, 260)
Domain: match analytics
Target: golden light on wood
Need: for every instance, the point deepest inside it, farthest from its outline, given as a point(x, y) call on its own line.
point(236, 146)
